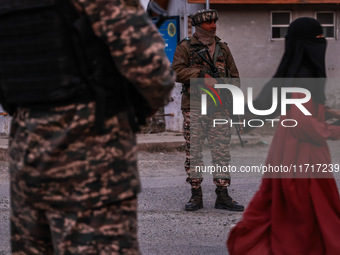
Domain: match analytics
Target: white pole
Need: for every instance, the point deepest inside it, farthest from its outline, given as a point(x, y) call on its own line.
point(185, 20)
point(207, 5)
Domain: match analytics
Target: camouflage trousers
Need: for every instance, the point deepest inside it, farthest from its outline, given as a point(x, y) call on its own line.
point(106, 230)
point(73, 191)
point(197, 128)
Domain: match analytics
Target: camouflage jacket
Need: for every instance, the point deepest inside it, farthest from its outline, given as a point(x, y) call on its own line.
point(56, 158)
point(136, 46)
point(187, 64)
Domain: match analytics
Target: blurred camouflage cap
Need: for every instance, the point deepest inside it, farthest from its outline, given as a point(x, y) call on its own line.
point(203, 16)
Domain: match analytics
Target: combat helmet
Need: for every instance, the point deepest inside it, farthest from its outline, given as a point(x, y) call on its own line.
point(203, 16)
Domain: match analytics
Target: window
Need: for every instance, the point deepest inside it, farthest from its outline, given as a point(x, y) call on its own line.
point(280, 21)
point(327, 21)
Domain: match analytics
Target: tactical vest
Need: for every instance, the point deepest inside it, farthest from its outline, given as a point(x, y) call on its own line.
point(49, 55)
point(197, 62)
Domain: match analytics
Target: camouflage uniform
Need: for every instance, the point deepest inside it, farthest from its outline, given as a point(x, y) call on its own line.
point(187, 64)
point(74, 191)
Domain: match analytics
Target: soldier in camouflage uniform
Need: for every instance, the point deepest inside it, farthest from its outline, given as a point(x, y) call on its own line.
point(74, 191)
point(187, 64)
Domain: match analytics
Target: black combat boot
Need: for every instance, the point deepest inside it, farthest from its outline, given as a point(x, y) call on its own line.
point(224, 201)
point(196, 200)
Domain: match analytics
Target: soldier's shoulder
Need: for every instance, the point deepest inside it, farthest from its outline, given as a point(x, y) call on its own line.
point(185, 40)
point(224, 45)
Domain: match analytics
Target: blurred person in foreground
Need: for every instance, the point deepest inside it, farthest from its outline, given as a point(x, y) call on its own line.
point(296, 213)
point(78, 77)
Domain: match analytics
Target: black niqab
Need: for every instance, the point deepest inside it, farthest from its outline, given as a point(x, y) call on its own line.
point(304, 57)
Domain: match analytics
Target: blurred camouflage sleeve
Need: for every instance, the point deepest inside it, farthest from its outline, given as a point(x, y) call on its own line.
point(135, 44)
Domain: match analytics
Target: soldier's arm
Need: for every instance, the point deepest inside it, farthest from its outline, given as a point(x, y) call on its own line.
point(135, 44)
point(231, 65)
point(181, 64)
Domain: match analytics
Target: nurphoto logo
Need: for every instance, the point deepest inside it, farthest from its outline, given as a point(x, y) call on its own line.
point(238, 104)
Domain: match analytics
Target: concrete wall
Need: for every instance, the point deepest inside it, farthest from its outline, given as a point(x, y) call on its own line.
point(174, 123)
point(4, 123)
point(247, 30)
point(144, 3)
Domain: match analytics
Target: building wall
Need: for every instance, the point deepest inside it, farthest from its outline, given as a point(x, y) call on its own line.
point(4, 123)
point(247, 30)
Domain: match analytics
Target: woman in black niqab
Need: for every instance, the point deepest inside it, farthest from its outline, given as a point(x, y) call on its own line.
point(297, 209)
point(304, 57)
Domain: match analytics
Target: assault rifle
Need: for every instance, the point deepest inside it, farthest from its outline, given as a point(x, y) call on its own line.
point(227, 100)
